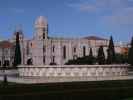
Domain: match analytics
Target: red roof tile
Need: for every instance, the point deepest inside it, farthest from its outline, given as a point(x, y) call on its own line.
point(6, 44)
point(94, 38)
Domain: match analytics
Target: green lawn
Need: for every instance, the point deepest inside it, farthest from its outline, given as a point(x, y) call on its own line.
point(128, 99)
point(102, 90)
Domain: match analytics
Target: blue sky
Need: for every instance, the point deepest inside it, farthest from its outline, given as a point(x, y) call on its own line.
point(69, 18)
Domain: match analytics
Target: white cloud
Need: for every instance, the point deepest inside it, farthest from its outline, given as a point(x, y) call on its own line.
point(121, 18)
point(111, 12)
point(88, 8)
point(99, 5)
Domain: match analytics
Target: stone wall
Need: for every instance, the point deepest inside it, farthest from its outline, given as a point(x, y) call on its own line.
point(73, 70)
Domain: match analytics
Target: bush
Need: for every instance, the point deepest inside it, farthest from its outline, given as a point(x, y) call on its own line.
point(87, 60)
point(121, 58)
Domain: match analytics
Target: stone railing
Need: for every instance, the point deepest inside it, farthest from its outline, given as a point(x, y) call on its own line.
point(73, 70)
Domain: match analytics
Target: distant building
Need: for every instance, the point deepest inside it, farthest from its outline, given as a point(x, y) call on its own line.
point(45, 50)
point(6, 53)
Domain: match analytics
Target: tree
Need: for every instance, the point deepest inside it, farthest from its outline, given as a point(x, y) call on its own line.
point(121, 58)
point(73, 62)
point(101, 56)
point(111, 52)
point(86, 60)
point(130, 53)
point(17, 57)
point(91, 59)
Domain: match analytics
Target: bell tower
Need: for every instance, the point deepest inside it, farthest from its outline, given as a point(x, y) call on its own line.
point(41, 27)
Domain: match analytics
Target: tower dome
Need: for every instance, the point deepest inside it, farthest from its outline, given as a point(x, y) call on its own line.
point(41, 27)
point(41, 22)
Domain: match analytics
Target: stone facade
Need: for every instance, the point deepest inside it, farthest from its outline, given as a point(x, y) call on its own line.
point(73, 70)
point(45, 56)
point(45, 50)
point(6, 53)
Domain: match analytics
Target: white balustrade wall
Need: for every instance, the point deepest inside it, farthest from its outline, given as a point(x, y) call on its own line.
point(73, 70)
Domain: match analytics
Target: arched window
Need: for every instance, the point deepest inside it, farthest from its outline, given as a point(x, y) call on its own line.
point(84, 51)
point(64, 52)
point(30, 61)
point(6, 63)
point(0, 63)
point(74, 49)
point(44, 48)
point(53, 48)
point(43, 59)
point(53, 59)
point(27, 48)
point(44, 33)
point(31, 44)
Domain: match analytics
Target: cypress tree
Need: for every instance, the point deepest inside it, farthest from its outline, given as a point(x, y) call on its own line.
point(91, 53)
point(17, 57)
point(130, 53)
point(101, 56)
point(91, 58)
point(111, 52)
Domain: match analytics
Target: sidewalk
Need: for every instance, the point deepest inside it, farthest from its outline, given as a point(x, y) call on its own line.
point(29, 80)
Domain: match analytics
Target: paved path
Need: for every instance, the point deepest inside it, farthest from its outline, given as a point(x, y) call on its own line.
point(28, 80)
point(8, 72)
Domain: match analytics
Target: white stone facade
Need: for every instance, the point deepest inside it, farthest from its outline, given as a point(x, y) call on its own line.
point(41, 51)
point(44, 50)
point(73, 70)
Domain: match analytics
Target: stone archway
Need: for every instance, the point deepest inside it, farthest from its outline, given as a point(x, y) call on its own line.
point(30, 61)
point(6, 63)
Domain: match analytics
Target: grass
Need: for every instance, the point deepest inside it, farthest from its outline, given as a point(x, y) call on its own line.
point(128, 99)
point(104, 90)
